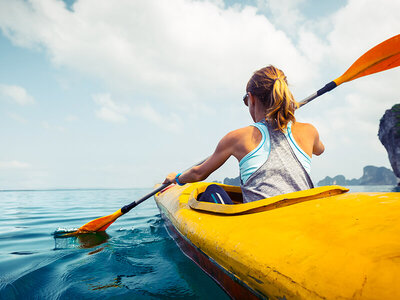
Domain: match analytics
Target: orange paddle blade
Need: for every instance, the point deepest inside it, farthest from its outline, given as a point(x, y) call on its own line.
point(382, 57)
point(100, 224)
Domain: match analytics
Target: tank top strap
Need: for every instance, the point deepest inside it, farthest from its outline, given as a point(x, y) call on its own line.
point(303, 157)
point(255, 158)
point(262, 127)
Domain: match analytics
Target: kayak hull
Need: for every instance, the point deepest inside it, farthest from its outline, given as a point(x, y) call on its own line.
point(298, 246)
point(225, 280)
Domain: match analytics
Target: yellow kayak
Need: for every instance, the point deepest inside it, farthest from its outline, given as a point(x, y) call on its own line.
point(321, 243)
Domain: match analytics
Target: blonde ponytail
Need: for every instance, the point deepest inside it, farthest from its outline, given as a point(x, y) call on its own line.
point(270, 86)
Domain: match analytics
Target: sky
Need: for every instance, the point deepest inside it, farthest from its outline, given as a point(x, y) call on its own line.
point(117, 94)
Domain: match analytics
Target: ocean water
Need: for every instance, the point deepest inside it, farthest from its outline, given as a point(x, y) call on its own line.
point(373, 188)
point(134, 259)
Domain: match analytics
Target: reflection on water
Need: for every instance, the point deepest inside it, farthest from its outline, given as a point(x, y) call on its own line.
point(22, 252)
point(82, 240)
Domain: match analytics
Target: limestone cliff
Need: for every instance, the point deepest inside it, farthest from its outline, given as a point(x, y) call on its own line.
point(371, 176)
point(389, 135)
point(377, 176)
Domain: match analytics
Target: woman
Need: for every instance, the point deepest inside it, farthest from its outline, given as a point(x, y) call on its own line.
point(274, 154)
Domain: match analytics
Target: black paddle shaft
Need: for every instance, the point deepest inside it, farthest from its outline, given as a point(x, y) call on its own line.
point(128, 207)
point(328, 87)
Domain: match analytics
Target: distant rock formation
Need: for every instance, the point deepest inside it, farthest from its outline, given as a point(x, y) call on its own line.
point(389, 135)
point(337, 180)
point(232, 181)
point(371, 176)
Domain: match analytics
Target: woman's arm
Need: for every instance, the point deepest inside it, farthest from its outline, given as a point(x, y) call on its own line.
point(224, 150)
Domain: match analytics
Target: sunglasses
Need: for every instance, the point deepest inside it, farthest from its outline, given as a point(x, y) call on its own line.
point(246, 99)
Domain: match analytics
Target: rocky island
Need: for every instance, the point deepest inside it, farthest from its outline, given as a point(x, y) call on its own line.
point(389, 135)
point(232, 181)
point(371, 176)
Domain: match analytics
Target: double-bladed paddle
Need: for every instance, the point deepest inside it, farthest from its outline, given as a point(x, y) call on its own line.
point(382, 57)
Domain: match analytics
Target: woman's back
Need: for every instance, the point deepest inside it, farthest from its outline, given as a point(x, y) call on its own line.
point(305, 135)
point(277, 171)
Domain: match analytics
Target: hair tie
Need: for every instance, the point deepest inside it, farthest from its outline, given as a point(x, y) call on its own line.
point(279, 77)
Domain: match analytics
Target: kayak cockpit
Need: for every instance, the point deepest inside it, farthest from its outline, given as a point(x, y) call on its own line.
point(261, 205)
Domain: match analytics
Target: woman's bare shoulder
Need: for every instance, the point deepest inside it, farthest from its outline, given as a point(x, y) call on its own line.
point(242, 132)
point(241, 140)
point(308, 134)
point(305, 128)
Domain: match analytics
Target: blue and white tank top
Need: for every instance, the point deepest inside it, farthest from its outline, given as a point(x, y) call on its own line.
point(258, 156)
point(281, 173)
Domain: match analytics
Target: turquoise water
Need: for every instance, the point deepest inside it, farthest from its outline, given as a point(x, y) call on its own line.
point(373, 188)
point(135, 259)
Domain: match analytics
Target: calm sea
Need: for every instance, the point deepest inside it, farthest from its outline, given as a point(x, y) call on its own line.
point(135, 259)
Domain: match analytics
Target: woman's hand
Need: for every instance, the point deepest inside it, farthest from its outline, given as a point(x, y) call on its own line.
point(170, 178)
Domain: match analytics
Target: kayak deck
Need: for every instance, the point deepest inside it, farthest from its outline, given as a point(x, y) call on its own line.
point(261, 205)
point(312, 244)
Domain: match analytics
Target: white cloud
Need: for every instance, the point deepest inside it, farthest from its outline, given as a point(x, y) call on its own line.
point(109, 110)
point(16, 93)
point(194, 50)
point(25, 178)
point(13, 164)
point(312, 46)
point(170, 122)
point(17, 118)
point(360, 25)
point(112, 111)
point(48, 126)
point(71, 118)
point(285, 13)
